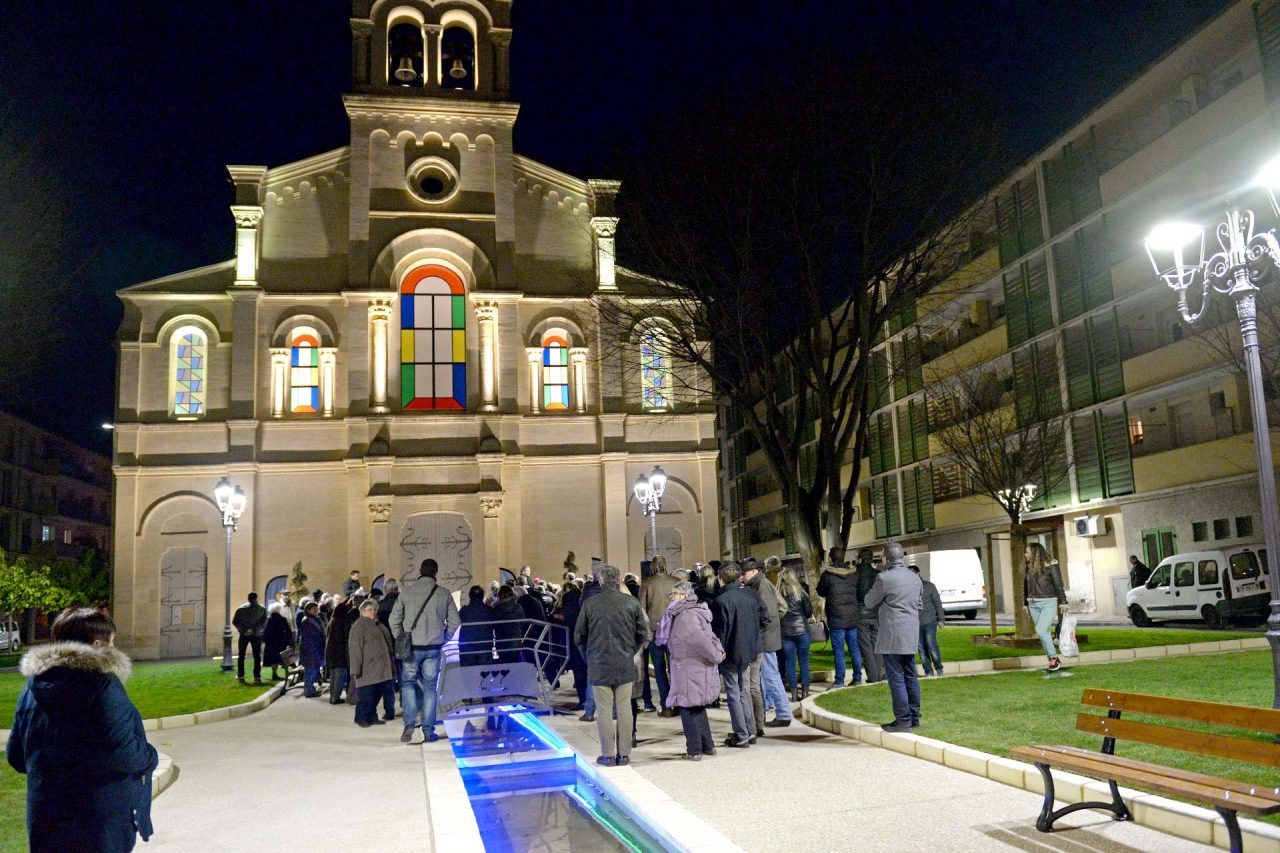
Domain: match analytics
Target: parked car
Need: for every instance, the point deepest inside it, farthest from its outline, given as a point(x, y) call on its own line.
point(10, 640)
point(958, 577)
point(1228, 585)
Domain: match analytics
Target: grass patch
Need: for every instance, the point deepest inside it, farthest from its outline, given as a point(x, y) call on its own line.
point(954, 642)
point(10, 659)
point(995, 713)
point(158, 689)
point(13, 810)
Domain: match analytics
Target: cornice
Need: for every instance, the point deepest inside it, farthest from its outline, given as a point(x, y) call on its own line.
point(431, 109)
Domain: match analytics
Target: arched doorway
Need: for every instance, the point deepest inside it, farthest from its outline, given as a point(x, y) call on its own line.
point(443, 536)
point(183, 572)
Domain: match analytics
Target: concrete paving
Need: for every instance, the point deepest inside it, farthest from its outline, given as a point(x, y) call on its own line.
point(800, 789)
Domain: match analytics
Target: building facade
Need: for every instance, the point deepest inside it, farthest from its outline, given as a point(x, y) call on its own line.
point(402, 359)
point(1063, 314)
point(55, 496)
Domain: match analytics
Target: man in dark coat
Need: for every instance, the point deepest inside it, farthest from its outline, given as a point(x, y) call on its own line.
point(932, 615)
point(250, 621)
point(335, 648)
point(475, 641)
point(311, 648)
point(1138, 572)
point(738, 619)
point(390, 593)
point(612, 629)
point(352, 584)
point(81, 743)
point(838, 585)
point(868, 622)
point(571, 604)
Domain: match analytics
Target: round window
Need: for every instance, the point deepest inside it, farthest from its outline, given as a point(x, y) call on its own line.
point(432, 179)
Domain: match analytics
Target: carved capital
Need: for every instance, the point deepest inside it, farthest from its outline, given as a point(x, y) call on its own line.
point(491, 506)
point(379, 511)
point(246, 215)
point(486, 312)
point(604, 226)
point(500, 37)
point(361, 29)
point(534, 354)
point(380, 310)
point(280, 355)
point(578, 355)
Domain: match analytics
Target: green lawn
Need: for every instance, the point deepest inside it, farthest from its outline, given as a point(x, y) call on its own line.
point(954, 642)
point(995, 713)
point(13, 810)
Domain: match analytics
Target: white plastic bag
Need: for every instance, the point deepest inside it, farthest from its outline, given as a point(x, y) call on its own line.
point(1067, 644)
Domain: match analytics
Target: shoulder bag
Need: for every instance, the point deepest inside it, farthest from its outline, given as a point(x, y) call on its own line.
point(404, 641)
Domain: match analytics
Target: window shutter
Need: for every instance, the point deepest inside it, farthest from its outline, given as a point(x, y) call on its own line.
point(1266, 19)
point(906, 450)
point(910, 502)
point(1069, 279)
point(1081, 159)
point(1075, 348)
point(879, 379)
point(1030, 233)
point(1104, 345)
point(1116, 460)
point(874, 458)
point(925, 490)
point(1039, 309)
point(898, 358)
point(920, 429)
point(1015, 303)
point(892, 507)
point(1024, 385)
point(914, 363)
point(1057, 195)
point(1095, 264)
point(1007, 227)
point(1048, 390)
point(1084, 440)
point(878, 507)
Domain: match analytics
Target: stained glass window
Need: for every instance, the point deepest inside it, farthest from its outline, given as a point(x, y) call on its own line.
point(433, 340)
point(555, 371)
point(304, 371)
point(190, 352)
point(655, 370)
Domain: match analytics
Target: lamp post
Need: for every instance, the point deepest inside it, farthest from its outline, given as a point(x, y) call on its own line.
point(648, 491)
point(231, 501)
point(1177, 252)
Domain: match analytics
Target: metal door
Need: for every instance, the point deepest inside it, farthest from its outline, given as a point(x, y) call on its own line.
point(183, 574)
point(444, 536)
point(669, 545)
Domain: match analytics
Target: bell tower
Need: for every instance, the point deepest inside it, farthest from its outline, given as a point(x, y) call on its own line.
point(452, 49)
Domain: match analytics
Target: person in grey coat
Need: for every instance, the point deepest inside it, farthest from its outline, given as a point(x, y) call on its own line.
point(611, 630)
point(931, 616)
point(370, 655)
point(897, 597)
point(767, 689)
point(427, 613)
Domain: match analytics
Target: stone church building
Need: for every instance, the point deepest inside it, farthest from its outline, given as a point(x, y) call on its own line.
point(402, 359)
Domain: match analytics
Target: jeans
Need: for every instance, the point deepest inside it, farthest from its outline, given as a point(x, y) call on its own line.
point(796, 650)
point(771, 683)
point(658, 654)
point(418, 677)
point(1043, 611)
point(697, 731)
point(310, 675)
point(610, 700)
point(256, 642)
point(930, 654)
point(840, 638)
point(736, 679)
point(756, 694)
point(904, 687)
point(367, 705)
point(870, 659)
point(338, 678)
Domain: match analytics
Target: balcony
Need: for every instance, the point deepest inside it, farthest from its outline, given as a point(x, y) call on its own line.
point(1170, 362)
point(975, 347)
point(1213, 460)
point(970, 510)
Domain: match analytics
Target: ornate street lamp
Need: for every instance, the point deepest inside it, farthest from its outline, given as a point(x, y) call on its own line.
point(231, 501)
point(1243, 260)
point(1024, 495)
point(649, 491)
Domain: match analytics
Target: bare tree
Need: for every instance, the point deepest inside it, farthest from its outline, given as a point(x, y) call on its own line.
point(1219, 332)
point(999, 447)
point(780, 233)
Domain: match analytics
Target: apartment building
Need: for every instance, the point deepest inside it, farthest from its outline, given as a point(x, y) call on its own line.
point(55, 496)
point(1062, 313)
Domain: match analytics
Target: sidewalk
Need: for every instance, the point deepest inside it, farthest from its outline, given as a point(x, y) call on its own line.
point(800, 789)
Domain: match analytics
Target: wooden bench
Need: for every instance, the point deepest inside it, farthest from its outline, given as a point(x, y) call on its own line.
point(1225, 795)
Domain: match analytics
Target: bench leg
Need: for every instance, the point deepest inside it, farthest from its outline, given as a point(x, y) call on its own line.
point(1048, 816)
point(1233, 828)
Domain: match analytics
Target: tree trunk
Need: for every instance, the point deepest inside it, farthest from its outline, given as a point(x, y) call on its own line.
point(1022, 627)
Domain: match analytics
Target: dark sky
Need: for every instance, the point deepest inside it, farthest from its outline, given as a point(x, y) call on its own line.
point(117, 120)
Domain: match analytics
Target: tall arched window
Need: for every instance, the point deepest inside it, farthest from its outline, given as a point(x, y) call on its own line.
point(433, 340)
point(555, 371)
point(188, 356)
point(655, 369)
point(304, 371)
point(405, 63)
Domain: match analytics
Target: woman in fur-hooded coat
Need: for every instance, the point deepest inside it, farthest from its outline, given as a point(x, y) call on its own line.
point(80, 741)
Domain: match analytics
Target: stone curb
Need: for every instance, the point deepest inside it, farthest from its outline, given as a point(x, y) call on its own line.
point(453, 823)
point(1176, 818)
point(979, 667)
point(165, 774)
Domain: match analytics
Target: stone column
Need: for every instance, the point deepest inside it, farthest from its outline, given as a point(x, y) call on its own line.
point(279, 380)
point(380, 320)
point(431, 59)
point(578, 361)
point(603, 229)
point(487, 318)
point(379, 515)
point(534, 354)
point(361, 32)
point(499, 74)
point(328, 377)
point(491, 507)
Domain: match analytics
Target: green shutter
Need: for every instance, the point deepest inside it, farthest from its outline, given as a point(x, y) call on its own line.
point(1083, 173)
point(1266, 19)
point(1030, 232)
point(898, 358)
point(914, 362)
point(879, 380)
point(878, 508)
point(925, 490)
point(1117, 463)
point(906, 451)
point(920, 429)
point(1104, 347)
point(1007, 227)
point(1088, 459)
point(1039, 307)
point(1057, 195)
point(910, 502)
point(1075, 349)
point(873, 445)
point(1095, 264)
point(1069, 279)
point(1015, 307)
point(1024, 385)
point(891, 506)
point(1048, 389)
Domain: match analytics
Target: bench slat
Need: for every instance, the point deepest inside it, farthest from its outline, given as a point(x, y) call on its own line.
point(1264, 791)
point(1152, 778)
point(1220, 713)
point(1202, 743)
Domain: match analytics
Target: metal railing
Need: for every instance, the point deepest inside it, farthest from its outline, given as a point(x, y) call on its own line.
point(512, 661)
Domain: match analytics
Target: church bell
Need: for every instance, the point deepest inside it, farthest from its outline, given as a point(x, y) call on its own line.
point(458, 70)
point(405, 72)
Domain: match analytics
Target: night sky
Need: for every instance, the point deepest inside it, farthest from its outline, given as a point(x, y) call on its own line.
point(117, 121)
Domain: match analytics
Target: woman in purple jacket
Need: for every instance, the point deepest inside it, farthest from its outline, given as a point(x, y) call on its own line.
point(695, 654)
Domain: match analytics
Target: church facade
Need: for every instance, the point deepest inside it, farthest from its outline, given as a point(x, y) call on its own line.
point(402, 359)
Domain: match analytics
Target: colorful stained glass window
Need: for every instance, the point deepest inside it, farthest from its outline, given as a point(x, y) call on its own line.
point(433, 340)
point(555, 371)
point(190, 352)
point(304, 371)
point(655, 370)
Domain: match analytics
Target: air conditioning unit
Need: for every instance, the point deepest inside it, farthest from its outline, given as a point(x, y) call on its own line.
point(1090, 525)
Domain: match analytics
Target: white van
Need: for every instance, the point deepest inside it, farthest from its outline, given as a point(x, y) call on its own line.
point(1214, 586)
point(958, 577)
